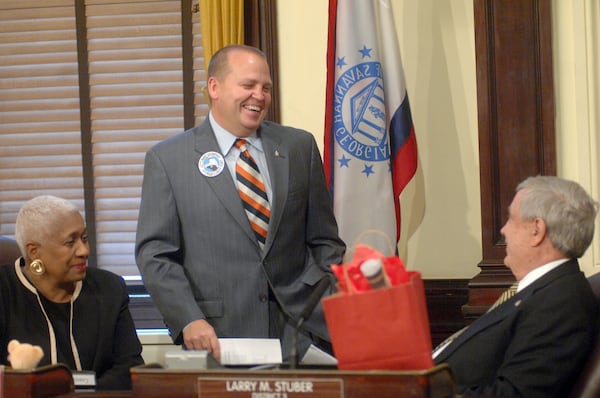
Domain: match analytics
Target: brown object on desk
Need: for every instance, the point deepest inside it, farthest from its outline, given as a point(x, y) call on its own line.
point(41, 382)
point(154, 381)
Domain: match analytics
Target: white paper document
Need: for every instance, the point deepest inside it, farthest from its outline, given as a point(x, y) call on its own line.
point(316, 356)
point(250, 351)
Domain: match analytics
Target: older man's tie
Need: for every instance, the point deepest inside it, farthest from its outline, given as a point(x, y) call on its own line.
point(507, 294)
point(253, 193)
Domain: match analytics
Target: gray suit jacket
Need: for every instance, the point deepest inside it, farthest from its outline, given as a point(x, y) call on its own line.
point(197, 253)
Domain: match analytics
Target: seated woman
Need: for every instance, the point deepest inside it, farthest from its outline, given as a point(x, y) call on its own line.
point(78, 315)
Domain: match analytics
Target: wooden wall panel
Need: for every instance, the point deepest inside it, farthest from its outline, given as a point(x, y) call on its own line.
point(513, 44)
point(445, 298)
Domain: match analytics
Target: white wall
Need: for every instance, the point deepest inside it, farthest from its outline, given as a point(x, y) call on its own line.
point(576, 54)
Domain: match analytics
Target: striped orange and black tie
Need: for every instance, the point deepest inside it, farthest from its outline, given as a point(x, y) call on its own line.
point(253, 193)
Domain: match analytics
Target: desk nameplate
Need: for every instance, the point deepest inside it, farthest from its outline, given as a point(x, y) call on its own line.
point(153, 381)
point(269, 387)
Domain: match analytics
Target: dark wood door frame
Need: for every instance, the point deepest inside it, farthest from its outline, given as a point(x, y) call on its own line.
point(515, 96)
point(260, 18)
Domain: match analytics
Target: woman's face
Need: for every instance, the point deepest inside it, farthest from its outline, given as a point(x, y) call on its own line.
point(65, 253)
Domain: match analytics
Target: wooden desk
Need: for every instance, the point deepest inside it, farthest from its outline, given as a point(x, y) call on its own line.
point(154, 381)
point(49, 381)
point(42, 382)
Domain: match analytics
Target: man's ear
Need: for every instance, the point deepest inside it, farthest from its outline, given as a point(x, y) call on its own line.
point(211, 87)
point(539, 231)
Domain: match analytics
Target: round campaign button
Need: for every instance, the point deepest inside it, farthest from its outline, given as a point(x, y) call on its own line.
point(211, 164)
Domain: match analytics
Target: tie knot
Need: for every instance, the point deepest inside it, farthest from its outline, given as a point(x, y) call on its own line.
point(240, 144)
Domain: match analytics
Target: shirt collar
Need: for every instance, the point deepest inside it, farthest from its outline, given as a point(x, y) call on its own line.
point(226, 140)
point(538, 272)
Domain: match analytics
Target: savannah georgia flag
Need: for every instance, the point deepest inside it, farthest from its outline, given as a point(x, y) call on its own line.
point(370, 150)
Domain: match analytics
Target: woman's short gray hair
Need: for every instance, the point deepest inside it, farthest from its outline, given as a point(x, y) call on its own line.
point(566, 208)
point(39, 218)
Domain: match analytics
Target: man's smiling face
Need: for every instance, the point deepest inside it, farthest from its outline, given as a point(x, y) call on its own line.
point(241, 95)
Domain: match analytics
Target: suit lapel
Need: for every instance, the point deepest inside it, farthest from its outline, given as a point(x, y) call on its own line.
point(277, 157)
point(222, 184)
point(485, 321)
point(508, 307)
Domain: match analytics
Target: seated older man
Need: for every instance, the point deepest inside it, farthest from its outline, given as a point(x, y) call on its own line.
point(536, 342)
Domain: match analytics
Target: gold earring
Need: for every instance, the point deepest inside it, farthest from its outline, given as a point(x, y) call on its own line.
point(37, 267)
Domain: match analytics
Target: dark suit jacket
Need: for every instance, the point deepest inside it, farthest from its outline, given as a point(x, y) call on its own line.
point(102, 326)
point(197, 253)
point(533, 345)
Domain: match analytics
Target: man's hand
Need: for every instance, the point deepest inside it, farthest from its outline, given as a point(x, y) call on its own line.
point(199, 335)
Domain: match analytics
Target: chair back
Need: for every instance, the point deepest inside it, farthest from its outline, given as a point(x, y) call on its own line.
point(588, 384)
point(9, 250)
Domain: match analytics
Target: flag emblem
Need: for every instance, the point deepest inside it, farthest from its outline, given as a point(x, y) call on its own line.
point(359, 113)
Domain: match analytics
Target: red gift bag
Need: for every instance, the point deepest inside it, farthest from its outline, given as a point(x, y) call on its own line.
point(384, 328)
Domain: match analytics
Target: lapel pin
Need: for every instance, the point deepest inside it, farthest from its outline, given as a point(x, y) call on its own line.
point(518, 303)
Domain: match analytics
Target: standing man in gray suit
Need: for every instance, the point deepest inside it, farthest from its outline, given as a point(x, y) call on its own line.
point(203, 264)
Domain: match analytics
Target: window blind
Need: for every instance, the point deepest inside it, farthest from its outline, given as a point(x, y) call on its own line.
point(40, 148)
point(135, 73)
point(134, 53)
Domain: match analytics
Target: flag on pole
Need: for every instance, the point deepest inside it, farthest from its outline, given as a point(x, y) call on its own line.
point(370, 151)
